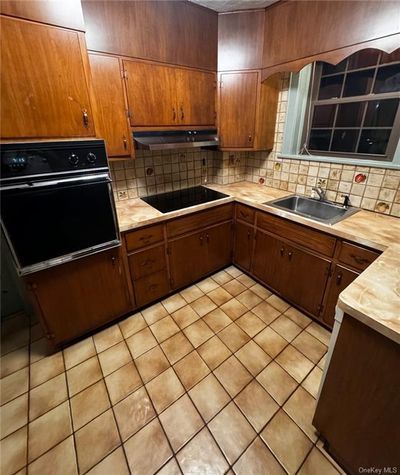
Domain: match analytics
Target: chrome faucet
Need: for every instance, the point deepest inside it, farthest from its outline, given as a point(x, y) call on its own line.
point(320, 192)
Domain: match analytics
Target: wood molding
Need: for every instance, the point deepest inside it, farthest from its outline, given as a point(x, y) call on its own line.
point(387, 44)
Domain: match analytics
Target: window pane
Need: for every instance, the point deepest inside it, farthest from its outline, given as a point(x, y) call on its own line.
point(323, 116)
point(374, 141)
point(330, 87)
point(319, 139)
point(344, 140)
point(331, 69)
point(350, 115)
point(364, 58)
point(390, 57)
point(381, 113)
point(358, 83)
point(388, 79)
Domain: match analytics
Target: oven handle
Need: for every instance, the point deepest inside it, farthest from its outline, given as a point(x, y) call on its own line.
point(41, 184)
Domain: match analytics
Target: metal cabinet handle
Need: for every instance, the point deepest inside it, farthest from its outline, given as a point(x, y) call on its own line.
point(146, 238)
point(201, 240)
point(207, 238)
point(250, 137)
point(147, 262)
point(182, 113)
point(282, 251)
point(244, 214)
point(125, 143)
point(339, 278)
point(248, 234)
point(359, 260)
point(290, 254)
point(173, 114)
point(85, 118)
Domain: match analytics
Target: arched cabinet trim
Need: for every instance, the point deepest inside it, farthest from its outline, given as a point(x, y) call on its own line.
point(387, 44)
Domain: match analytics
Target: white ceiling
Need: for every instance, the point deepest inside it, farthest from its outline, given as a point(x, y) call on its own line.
point(233, 5)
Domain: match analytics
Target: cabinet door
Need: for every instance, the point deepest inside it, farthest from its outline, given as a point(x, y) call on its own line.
point(244, 235)
point(339, 280)
point(219, 246)
point(195, 97)
point(188, 259)
point(237, 109)
point(304, 278)
point(151, 91)
point(109, 106)
point(81, 295)
point(44, 89)
point(268, 260)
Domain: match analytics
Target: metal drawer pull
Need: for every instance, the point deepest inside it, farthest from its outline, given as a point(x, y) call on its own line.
point(282, 251)
point(125, 143)
point(173, 114)
point(147, 262)
point(339, 278)
point(182, 113)
point(201, 240)
point(290, 254)
point(360, 260)
point(208, 238)
point(146, 238)
point(85, 118)
point(248, 234)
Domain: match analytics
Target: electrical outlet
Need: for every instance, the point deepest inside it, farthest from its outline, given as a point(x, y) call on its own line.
point(122, 195)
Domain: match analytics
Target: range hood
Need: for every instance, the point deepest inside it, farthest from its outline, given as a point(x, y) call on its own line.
point(170, 139)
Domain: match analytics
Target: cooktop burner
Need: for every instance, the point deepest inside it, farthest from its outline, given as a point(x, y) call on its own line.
point(171, 201)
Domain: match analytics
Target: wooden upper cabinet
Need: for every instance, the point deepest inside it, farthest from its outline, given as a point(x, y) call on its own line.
point(151, 94)
point(240, 40)
point(196, 91)
point(67, 14)
point(247, 111)
point(110, 109)
point(295, 30)
point(44, 82)
point(237, 109)
point(161, 95)
point(172, 32)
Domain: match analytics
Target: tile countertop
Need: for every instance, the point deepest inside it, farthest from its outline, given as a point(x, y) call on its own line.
point(373, 298)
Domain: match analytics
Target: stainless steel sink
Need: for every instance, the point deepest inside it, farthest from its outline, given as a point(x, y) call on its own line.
point(323, 211)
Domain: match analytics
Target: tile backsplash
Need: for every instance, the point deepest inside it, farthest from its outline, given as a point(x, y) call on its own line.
point(157, 172)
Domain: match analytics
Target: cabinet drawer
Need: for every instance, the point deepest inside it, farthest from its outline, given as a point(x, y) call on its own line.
point(245, 213)
point(144, 237)
point(314, 240)
point(151, 288)
point(147, 262)
point(199, 220)
point(356, 256)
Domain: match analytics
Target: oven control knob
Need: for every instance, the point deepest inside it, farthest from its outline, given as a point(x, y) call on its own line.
point(91, 157)
point(73, 159)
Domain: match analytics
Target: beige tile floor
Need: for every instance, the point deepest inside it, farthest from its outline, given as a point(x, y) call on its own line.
point(219, 378)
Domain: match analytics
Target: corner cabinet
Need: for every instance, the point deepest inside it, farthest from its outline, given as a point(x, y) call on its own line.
point(109, 105)
point(44, 85)
point(161, 95)
point(247, 110)
point(74, 298)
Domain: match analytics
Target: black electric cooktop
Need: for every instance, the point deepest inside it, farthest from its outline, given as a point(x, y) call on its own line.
point(173, 200)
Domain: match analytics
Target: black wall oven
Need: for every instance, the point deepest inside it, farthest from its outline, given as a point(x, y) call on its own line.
point(56, 202)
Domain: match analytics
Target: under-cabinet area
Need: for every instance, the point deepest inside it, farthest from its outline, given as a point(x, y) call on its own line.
point(200, 222)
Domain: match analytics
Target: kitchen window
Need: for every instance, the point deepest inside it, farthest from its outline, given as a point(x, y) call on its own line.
point(348, 113)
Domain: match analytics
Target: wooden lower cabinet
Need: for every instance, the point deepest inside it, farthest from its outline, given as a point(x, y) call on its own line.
point(294, 273)
point(244, 239)
point(219, 246)
point(81, 295)
point(150, 288)
point(340, 279)
point(188, 259)
point(198, 254)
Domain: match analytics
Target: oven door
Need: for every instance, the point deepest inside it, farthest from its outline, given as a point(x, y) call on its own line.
point(50, 222)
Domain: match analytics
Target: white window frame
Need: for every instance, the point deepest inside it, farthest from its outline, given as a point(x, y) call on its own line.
point(299, 87)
